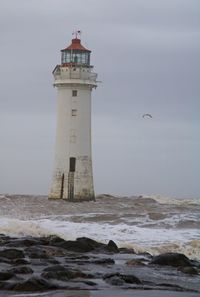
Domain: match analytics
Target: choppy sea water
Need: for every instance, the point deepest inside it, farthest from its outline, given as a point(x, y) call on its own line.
point(147, 224)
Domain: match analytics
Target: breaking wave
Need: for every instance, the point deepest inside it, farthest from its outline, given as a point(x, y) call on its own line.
point(146, 224)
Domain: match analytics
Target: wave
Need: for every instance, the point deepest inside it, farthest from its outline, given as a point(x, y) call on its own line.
point(140, 239)
point(169, 200)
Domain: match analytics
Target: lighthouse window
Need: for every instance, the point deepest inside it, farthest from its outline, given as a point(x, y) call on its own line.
point(74, 112)
point(74, 93)
point(66, 57)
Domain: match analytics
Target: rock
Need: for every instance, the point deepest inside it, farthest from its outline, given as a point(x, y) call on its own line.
point(52, 251)
point(58, 275)
point(171, 259)
point(53, 261)
point(6, 286)
point(4, 260)
point(81, 245)
point(131, 279)
point(188, 270)
point(37, 252)
point(135, 262)
point(24, 242)
point(12, 254)
point(115, 281)
point(112, 247)
point(34, 284)
point(20, 262)
point(118, 279)
point(21, 270)
point(124, 250)
point(4, 240)
point(55, 240)
point(106, 261)
point(89, 283)
point(55, 268)
point(89, 244)
point(5, 275)
point(61, 273)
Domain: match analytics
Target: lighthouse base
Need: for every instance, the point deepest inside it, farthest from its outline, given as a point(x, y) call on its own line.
point(68, 188)
point(76, 199)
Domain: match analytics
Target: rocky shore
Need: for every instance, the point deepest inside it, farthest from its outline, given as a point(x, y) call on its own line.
point(51, 264)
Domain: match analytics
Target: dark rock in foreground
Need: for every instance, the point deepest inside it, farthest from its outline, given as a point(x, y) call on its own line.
point(12, 254)
point(118, 279)
point(51, 263)
point(34, 284)
point(172, 259)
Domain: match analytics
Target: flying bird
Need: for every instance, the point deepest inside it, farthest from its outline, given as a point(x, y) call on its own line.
point(147, 115)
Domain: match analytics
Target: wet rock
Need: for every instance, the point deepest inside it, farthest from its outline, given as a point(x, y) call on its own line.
point(77, 257)
point(107, 261)
point(21, 270)
point(55, 240)
point(12, 254)
point(171, 259)
point(188, 270)
point(20, 262)
point(146, 255)
point(34, 284)
point(24, 242)
point(37, 253)
point(81, 245)
point(5, 275)
point(90, 244)
point(5, 239)
point(62, 270)
point(115, 280)
point(89, 283)
point(58, 275)
point(59, 272)
point(55, 268)
point(52, 251)
point(135, 262)
point(112, 247)
point(195, 263)
point(4, 260)
point(6, 286)
point(124, 250)
point(118, 279)
point(53, 261)
point(39, 262)
point(131, 279)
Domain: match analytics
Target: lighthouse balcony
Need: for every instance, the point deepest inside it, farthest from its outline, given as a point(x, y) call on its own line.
point(61, 73)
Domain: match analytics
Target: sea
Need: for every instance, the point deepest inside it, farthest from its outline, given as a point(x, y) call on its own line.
point(152, 224)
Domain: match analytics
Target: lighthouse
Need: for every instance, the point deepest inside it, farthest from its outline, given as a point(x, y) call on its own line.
point(74, 79)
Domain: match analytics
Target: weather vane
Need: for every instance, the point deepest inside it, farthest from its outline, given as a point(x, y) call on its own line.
point(76, 33)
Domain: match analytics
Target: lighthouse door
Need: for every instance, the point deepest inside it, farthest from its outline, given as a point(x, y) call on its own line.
point(72, 166)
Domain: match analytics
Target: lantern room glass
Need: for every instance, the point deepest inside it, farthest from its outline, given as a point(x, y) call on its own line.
point(78, 57)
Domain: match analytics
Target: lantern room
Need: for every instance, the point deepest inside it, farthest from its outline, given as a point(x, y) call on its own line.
point(75, 54)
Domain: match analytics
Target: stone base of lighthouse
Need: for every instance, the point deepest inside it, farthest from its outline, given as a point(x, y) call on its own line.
point(74, 185)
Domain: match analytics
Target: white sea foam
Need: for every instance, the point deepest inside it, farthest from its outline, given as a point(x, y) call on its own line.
point(155, 225)
point(140, 239)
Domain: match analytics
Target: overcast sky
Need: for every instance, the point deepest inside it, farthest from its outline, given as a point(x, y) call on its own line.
point(147, 55)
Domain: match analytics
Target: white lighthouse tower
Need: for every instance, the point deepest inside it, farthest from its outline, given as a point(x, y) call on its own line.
point(74, 80)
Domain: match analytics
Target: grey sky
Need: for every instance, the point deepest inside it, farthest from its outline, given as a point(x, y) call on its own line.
point(147, 55)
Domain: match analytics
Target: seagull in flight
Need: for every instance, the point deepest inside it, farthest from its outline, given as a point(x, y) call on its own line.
point(147, 115)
